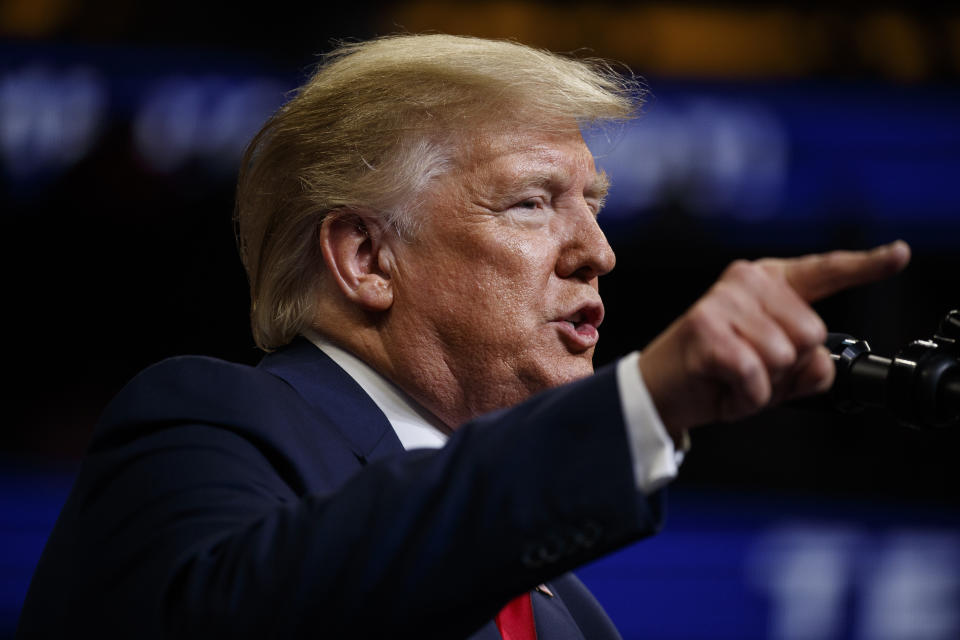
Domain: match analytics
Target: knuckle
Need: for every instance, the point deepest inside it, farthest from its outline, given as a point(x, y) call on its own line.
point(746, 367)
point(753, 379)
point(783, 354)
point(701, 318)
point(760, 396)
point(742, 270)
point(812, 332)
point(818, 330)
point(726, 298)
point(730, 362)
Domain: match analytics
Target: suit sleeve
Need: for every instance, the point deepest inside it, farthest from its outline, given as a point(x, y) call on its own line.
point(194, 529)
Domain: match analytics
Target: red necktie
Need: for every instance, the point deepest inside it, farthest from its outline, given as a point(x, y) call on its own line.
point(515, 621)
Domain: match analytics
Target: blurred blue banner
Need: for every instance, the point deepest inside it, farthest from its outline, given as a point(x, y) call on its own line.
point(805, 154)
point(787, 567)
point(758, 163)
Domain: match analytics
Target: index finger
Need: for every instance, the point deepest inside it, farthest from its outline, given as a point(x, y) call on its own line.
point(819, 275)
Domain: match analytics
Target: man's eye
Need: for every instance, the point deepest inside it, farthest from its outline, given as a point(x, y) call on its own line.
point(528, 204)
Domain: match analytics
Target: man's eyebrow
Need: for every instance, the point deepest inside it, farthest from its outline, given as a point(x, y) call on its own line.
point(599, 187)
point(511, 187)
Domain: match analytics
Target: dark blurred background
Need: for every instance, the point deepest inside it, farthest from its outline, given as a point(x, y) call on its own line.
point(769, 130)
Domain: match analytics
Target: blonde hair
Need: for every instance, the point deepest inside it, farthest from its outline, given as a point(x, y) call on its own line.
point(373, 126)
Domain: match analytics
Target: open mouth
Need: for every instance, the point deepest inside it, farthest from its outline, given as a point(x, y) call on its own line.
point(579, 329)
point(576, 319)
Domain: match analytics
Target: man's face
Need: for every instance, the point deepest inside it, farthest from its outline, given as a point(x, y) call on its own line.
point(496, 297)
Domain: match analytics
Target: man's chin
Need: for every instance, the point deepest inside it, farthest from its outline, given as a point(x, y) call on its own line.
point(572, 368)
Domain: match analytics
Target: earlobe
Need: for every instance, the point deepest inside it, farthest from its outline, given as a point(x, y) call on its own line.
point(357, 259)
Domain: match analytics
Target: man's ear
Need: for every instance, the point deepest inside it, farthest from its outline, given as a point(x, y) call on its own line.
point(358, 259)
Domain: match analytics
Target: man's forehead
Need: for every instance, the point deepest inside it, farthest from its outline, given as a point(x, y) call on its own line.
point(495, 139)
point(517, 156)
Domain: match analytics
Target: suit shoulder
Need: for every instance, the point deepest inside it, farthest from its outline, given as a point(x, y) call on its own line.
point(200, 389)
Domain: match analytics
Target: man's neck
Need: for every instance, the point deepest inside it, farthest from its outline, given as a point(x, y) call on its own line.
point(415, 426)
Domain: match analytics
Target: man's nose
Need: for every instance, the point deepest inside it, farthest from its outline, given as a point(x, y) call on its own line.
point(586, 254)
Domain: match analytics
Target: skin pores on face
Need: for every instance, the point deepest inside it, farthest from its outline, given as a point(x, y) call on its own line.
point(496, 297)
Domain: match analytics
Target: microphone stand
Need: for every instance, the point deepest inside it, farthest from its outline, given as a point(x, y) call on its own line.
point(920, 385)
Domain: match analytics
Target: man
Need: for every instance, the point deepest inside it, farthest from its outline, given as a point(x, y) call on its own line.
point(419, 229)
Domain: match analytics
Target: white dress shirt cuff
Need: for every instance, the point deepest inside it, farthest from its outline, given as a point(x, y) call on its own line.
point(656, 460)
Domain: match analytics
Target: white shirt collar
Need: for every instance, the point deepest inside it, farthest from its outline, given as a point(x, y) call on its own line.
point(416, 427)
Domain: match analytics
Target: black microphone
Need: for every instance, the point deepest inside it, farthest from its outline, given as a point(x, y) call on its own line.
point(920, 385)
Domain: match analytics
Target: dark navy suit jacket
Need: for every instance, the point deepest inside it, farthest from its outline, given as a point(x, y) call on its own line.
point(220, 500)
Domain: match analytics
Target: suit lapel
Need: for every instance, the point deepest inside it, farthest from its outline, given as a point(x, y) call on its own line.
point(554, 621)
point(332, 393)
